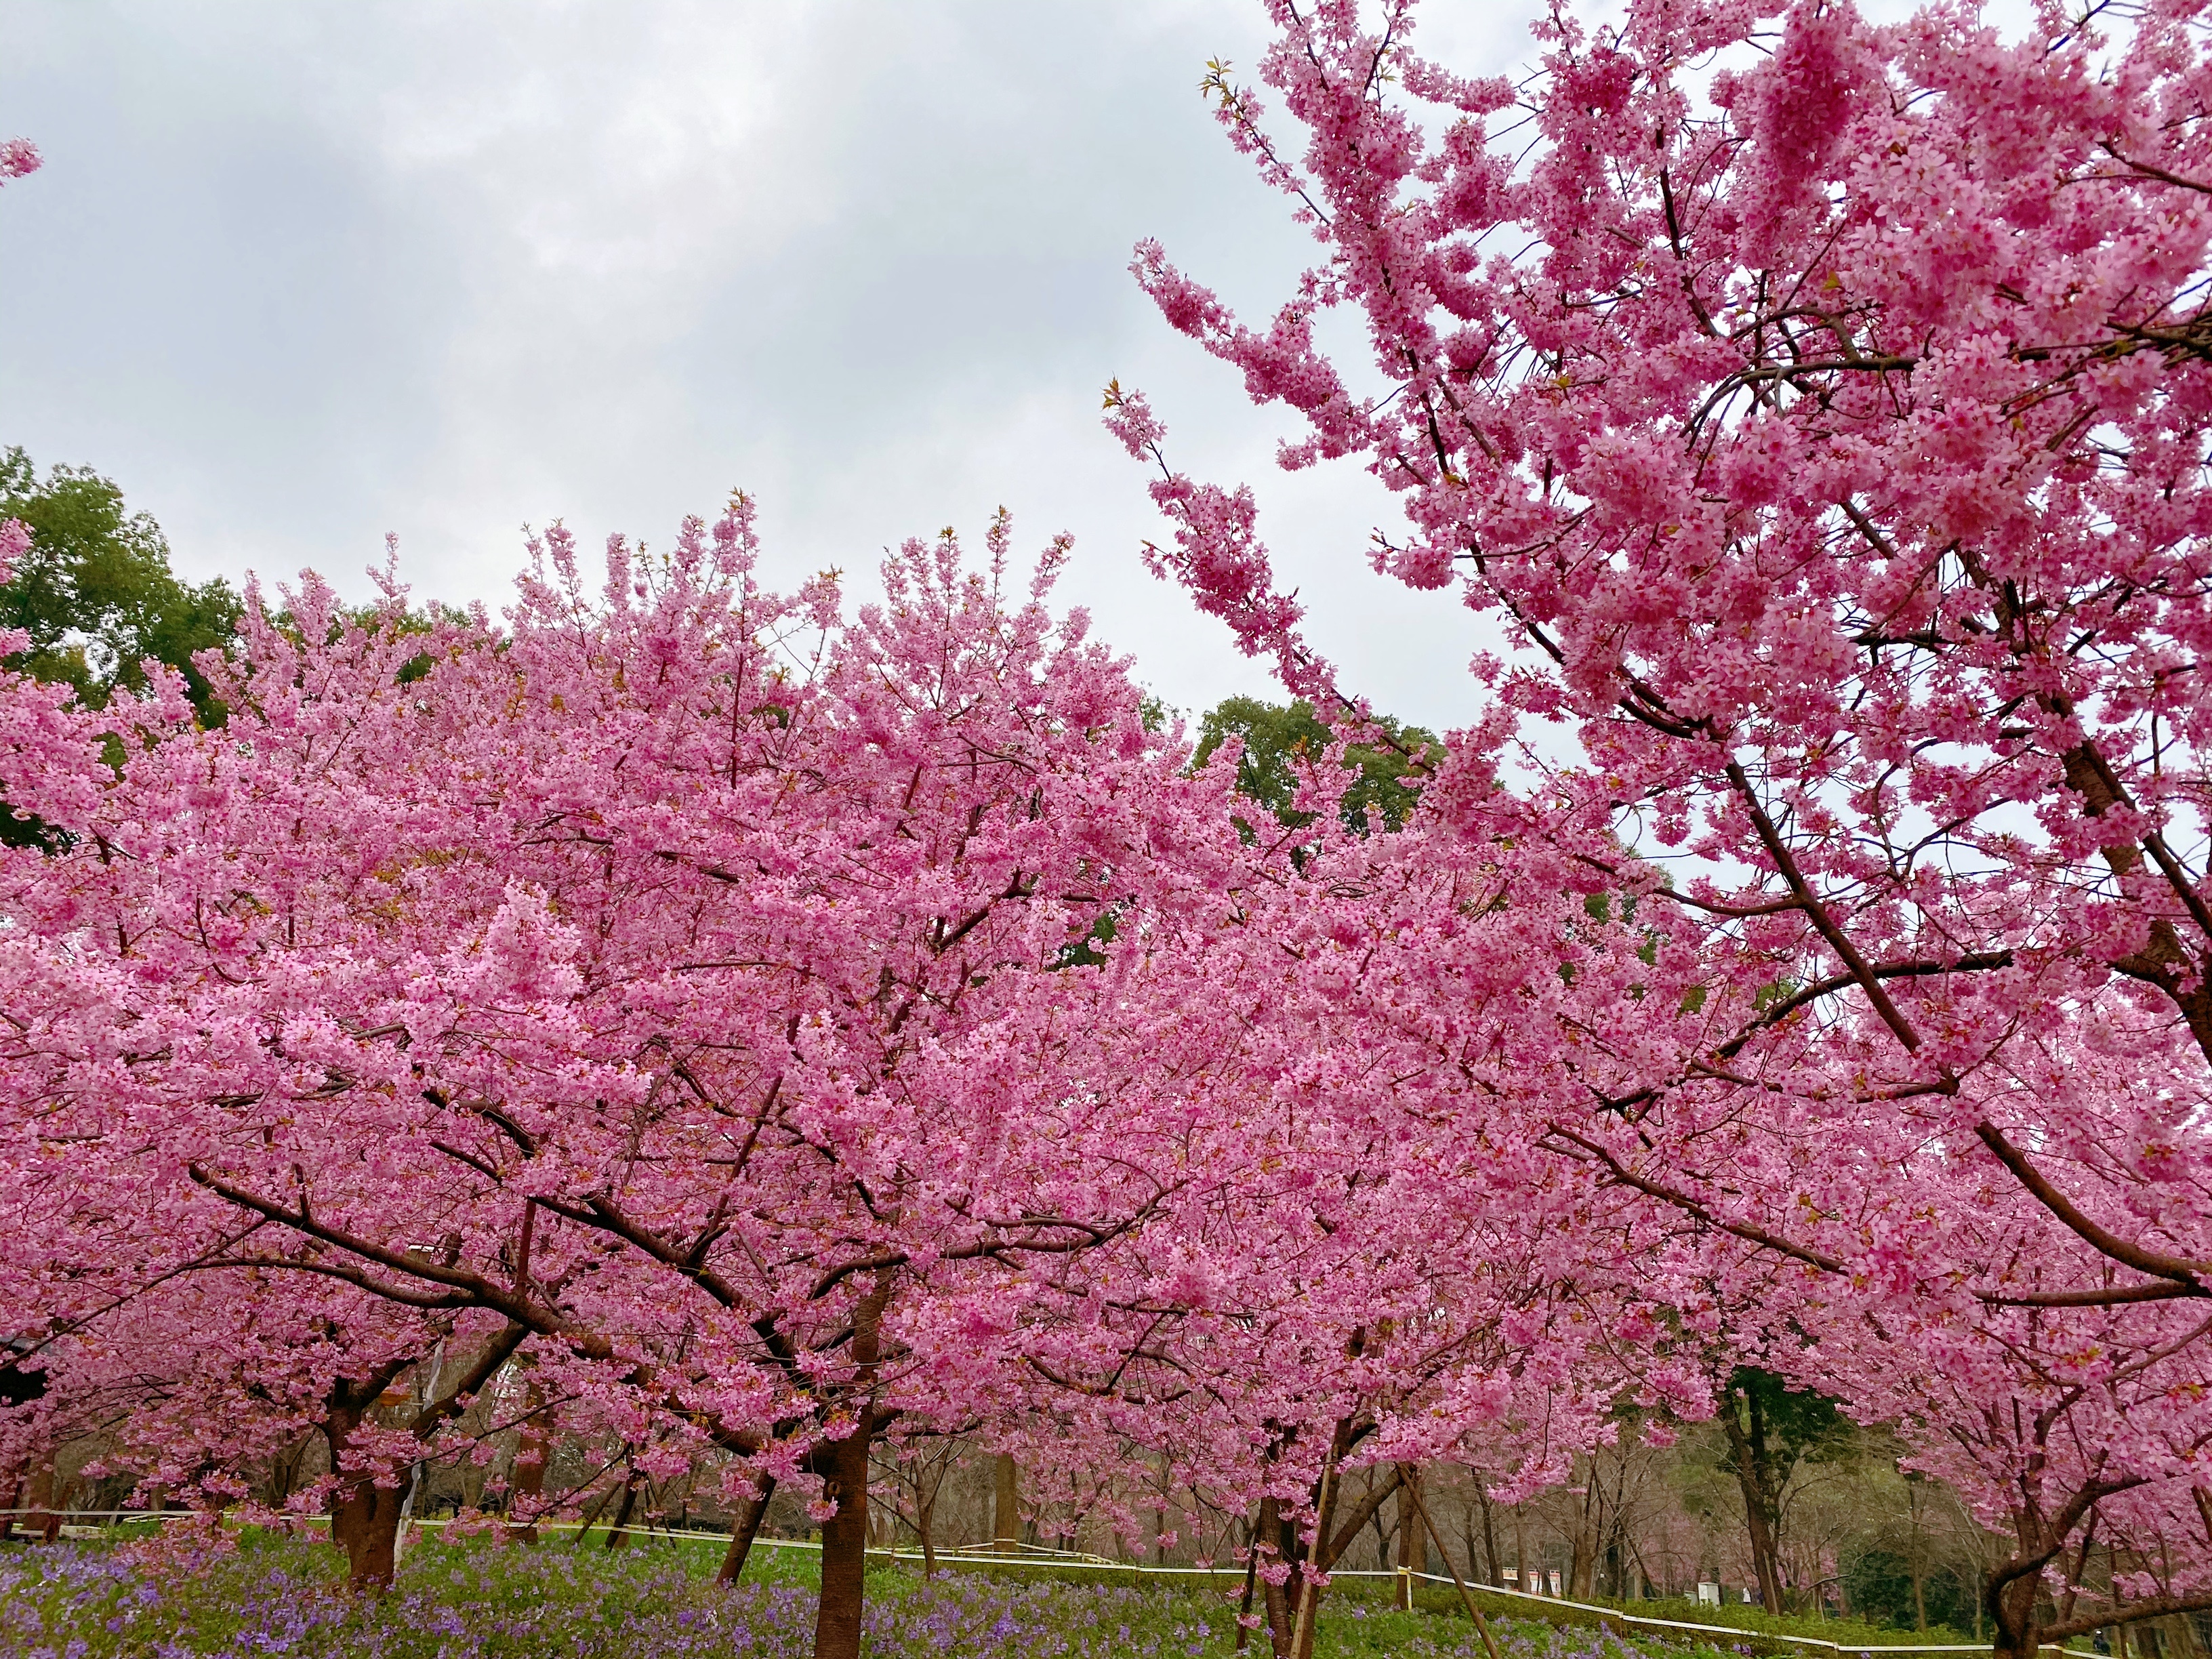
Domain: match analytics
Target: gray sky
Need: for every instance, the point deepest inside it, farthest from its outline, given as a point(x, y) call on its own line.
point(297, 274)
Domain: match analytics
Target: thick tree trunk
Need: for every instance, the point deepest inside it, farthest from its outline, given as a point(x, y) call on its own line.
point(44, 1519)
point(2013, 1610)
point(1293, 1607)
point(365, 1524)
point(618, 1536)
point(1274, 1601)
point(1581, 1559)
point(925, 1524)
point(743, 1529)
point(1752, 1477)
point(528, 1483)
point(844, 1468)
point(364, 1516)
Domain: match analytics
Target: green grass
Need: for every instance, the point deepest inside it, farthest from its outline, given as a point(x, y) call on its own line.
point(1850, 1632)
point(267, 1594)
point(1759, 1628)
point(1763, 1632)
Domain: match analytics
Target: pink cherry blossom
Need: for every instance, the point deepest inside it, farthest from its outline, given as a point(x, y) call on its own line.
point(1827, 425)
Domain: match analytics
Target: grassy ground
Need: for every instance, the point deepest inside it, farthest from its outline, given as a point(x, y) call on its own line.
point(267, 1595)
point(1850, 1632)
point(1758, 1629)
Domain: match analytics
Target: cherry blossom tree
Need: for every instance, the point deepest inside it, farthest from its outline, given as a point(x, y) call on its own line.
point(2071, 1424)
point(1416, 1283)
point(719, 1001)
point(195, 1384)
point(1819, 408)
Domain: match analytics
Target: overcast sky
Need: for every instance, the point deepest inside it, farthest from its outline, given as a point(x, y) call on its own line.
point(297, 274)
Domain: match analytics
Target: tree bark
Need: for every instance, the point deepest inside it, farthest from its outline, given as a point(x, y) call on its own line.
point(528, 1482)
point(2013, 1611)
point(1301, 1601)
point(843, 1465)
point(1754, 1477)
point(365, 1524)
point(1273, 1597)
point(618, 1536)
point(1582, 1559)
point(364, 1515)
point(284, 1470)
point(743, 1529)
point(44, 1519)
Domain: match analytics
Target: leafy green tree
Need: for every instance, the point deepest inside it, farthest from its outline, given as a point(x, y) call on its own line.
point(1280, 740)
point(1885, 1587)
point(96, 596)
point(95, 593)
point(1771, 1428)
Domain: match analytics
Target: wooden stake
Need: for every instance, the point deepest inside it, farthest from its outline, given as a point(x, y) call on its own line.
point(1481, 1624)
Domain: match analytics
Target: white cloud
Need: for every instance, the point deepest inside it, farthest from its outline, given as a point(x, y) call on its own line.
point(297, 274)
